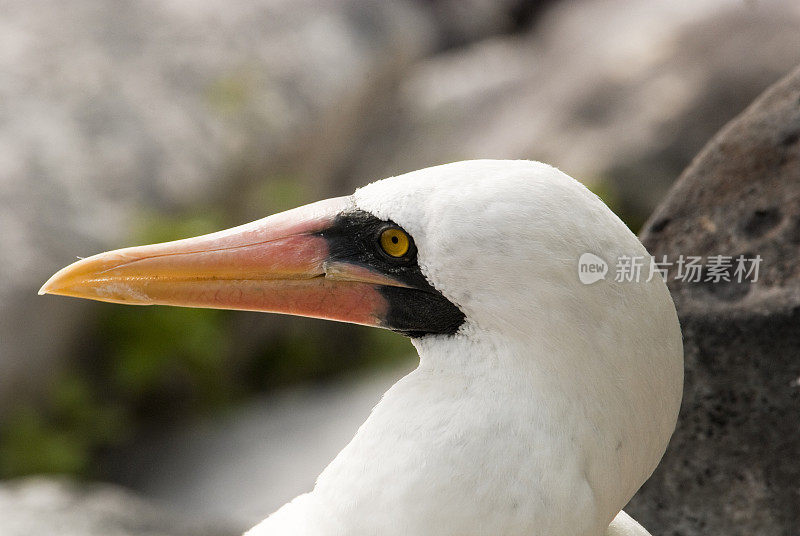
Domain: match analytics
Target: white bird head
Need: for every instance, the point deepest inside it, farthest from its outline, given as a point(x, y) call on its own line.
point(502, 241)
point(563, 394)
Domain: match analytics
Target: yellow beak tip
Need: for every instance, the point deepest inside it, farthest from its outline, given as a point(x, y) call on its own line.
point(46, 288)
point(51, 286)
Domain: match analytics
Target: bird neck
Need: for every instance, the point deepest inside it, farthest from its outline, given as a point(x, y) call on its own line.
point(600, 401)
point(484, 433)
point(488, 435)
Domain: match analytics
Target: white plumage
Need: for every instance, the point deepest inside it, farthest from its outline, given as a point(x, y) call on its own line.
point(552, 404)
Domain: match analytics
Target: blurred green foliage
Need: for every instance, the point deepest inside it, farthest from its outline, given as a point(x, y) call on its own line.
point(158, 349)
point(280, 193)
point(229, 94)
point(606, 190)
point(139, 367)
point(315, 350)
point(59, 437)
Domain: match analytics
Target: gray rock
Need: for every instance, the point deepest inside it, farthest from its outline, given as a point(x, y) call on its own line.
point(619, 92)
point(109, 109)
point(45, 506)
point(732, 466)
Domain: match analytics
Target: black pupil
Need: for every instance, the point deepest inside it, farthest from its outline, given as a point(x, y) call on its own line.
point(395, 240)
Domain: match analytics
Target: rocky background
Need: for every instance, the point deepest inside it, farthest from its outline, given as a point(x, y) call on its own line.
point(732, 464)
point(126, 123)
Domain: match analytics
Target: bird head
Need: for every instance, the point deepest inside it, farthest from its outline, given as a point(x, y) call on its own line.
point(484, 244)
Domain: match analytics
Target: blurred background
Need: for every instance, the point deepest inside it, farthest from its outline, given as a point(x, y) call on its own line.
point(124, 123)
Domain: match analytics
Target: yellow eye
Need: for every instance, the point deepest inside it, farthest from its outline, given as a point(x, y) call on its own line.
point(395, 242)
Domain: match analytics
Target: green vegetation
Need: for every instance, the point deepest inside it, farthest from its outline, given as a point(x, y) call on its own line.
point(59, 437)
point(280, 193)
point(229, 94)
point(606, 190)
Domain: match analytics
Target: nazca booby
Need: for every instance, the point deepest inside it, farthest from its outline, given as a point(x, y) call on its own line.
point(540, 404)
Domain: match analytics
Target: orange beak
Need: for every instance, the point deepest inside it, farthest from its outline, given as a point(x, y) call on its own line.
point(279, 264)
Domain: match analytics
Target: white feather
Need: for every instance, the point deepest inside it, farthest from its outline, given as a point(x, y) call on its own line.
point(625, 525)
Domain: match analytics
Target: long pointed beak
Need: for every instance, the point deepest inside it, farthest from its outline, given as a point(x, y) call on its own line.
point(278, 264)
